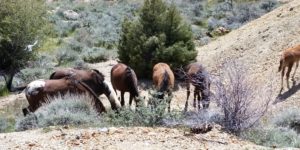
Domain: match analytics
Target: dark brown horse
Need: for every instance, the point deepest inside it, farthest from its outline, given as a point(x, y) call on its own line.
point(163, 79)
point(37, 92)
point(94, 79)
point(198, 76)
point(124, 79)
point(288, 58)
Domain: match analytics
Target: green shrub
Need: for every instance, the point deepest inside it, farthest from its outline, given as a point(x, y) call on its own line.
point(4, 91)
point(289, 118)
point(28, 122)
point(95, 55)
point(273, 137)
point(62, 110)
point(143, 115)
point(30, 74)
point(3, 124)
point(66, 55)
point(159, 35)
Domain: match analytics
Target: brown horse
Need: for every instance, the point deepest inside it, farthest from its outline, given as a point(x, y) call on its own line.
point(198, 77)
point(37, 92)
point(288, 58)
point(163, 79)
point(124, 79)
point(94, 79)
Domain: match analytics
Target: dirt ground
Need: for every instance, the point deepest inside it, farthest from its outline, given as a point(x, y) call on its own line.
point(257, 45)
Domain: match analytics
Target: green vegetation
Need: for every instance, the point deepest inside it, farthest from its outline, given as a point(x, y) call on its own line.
point(70, 109)
point(21, 24)
point(3, 91)
point(159, 35)
point(143, 115)
point(281, 131)
point(77, 110)
point(273, 137)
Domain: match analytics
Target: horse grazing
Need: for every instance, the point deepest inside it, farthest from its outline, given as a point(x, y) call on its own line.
point(163, 79)
point(37, 92)
point(124, 79)
point(94, 79)
point(198, 77)
point(288, 58)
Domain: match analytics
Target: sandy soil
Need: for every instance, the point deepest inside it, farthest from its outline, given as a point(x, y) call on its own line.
point(257, 45)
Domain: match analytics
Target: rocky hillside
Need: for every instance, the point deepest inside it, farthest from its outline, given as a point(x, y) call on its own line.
point(258, 46)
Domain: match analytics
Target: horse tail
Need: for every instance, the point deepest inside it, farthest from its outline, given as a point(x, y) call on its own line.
point(280, 65)
point(131, 81)
point(165, 82)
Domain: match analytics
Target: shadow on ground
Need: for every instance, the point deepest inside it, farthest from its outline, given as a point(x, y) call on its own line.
point(283, 96)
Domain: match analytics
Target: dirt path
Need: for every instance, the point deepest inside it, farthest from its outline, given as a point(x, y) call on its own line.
point(121, 138)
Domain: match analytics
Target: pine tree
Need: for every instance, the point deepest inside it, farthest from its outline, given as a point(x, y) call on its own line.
point(158, 35)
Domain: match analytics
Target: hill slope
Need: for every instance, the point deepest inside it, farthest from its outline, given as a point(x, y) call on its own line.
point(258, 46)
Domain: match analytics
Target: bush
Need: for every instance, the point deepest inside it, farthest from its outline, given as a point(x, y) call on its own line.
point(142, 116)
point(273, 137)
point(242, 102)
point(159, 35)
point(28, 122)
point(62, 110)
point(268, 5)
point(4, 91)
point(289, 118)
point(65, 56)
point(95, 55)
point(3, 124)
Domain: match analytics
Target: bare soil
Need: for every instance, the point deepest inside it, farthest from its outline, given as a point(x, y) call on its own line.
point(257, 45)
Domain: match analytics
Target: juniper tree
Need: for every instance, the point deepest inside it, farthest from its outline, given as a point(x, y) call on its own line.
point(157, 35)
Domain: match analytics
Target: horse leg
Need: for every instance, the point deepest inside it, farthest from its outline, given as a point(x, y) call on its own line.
point(195, 97)
point(169, 100)
point(122, 98)
point(205, 98)
point(188, 95)
point(130, 99)
point(282, 74)
point(199, 98)
point(288, 74)
point(297, 64)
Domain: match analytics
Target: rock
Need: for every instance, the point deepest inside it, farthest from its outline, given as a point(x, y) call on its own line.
point(113, 130)
point(103, 130)
point(71, 15)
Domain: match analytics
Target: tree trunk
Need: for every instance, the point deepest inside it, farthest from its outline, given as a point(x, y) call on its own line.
point(8, 81)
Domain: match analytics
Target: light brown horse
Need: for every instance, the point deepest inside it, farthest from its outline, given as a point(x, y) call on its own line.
point(199, 78)
point(288, 58)
point(163, 79)
point(124, 79)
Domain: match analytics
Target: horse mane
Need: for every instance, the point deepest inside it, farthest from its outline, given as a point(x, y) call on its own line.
point(165, 82)
point(131, 81)
point(99, 73)
point(51, 76)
